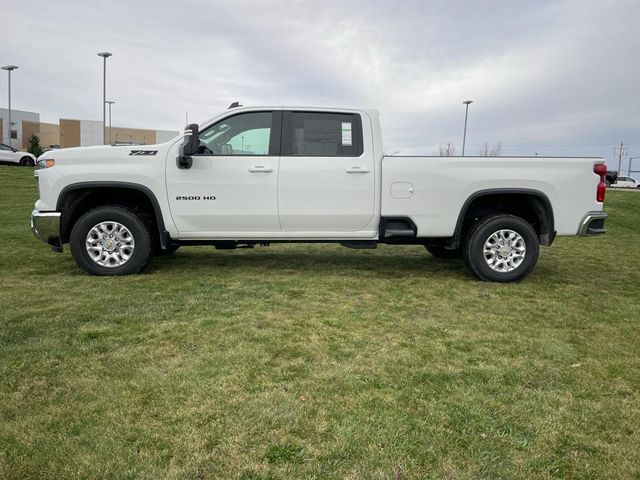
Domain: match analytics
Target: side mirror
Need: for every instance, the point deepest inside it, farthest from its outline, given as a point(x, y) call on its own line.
point(189, 146)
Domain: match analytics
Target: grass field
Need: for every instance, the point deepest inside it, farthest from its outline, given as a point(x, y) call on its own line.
point(316, 361)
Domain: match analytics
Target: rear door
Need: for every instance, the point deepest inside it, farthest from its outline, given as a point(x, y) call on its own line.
point(326, 177)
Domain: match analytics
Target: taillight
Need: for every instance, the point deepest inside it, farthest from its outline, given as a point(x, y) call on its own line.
point(600, 170)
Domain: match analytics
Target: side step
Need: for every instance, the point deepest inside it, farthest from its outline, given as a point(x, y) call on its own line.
point(397, 229)
point(397, 232)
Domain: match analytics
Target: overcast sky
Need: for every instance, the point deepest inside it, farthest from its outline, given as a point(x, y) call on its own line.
point(553, 77)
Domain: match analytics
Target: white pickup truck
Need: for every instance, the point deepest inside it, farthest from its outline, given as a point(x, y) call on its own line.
point(254, 176)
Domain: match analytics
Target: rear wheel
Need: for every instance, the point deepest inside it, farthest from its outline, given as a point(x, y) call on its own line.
point(501, 248)
point(439, 251)
point(110, 241)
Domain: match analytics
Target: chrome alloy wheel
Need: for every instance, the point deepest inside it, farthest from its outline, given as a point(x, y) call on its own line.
point(110, 244)
point(504, 250)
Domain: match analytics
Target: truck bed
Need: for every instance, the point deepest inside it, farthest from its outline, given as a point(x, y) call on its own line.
point(432, 190)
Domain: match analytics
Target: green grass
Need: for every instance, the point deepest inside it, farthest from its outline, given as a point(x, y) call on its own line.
point(316, 361)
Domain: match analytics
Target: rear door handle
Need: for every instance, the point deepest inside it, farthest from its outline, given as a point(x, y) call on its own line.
point(260, 169)
point(357, 170)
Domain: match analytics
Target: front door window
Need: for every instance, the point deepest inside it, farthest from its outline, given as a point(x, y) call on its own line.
point(243, 134)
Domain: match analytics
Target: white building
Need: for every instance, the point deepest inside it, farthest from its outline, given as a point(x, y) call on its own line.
point(17, 119)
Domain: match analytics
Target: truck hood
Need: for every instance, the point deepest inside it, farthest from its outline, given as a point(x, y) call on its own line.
point(104, 153)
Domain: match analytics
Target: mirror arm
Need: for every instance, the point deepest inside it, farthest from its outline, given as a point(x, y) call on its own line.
point(184, 162)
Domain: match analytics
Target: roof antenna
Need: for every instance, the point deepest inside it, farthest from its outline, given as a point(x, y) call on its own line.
point(234, 105)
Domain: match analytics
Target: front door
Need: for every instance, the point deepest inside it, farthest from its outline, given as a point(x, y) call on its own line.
point(326, 179)
point(231, 188)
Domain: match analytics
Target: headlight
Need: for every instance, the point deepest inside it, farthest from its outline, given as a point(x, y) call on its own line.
point(45, 163)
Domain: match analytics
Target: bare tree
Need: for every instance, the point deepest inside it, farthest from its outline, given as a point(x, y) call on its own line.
point(491, 151)
point(447, 150)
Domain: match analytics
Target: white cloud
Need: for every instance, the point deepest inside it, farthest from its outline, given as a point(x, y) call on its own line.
point(553, 77)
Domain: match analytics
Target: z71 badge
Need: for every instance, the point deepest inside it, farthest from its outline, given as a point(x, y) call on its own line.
point(143, 152)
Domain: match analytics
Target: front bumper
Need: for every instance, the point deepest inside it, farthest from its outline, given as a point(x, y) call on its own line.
point(46, 227)
point(593, 224)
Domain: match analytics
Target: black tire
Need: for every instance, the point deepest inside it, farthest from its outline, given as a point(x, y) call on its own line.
point(135, 225)
point(479, 234)
point(439, 251)
point(27, 162)
point(168, 251)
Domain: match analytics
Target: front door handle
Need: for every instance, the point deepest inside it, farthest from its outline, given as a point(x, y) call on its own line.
point(357, 170)
point(260, 169)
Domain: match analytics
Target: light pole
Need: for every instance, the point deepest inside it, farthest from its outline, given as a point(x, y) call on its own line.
point(110, 102)
point(629, 167)
point(104, 56)
point(466, 114)
point(9, 69)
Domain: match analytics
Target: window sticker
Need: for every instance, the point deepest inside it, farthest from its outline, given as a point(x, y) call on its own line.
point(346, 134)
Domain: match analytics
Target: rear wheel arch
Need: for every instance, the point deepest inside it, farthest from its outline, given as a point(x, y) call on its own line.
point(532, 206)
point(76, 199)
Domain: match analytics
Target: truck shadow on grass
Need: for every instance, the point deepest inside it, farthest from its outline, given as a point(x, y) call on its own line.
point(375, 264)
point(317, 262)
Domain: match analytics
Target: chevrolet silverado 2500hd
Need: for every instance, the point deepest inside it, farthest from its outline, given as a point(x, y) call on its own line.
point(279, 174)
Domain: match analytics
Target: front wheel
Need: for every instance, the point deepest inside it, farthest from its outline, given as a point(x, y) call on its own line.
point(27, 162)
point(501, 248)
point(110, 241)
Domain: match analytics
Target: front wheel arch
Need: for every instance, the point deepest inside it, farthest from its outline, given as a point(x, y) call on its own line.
point(78, 198)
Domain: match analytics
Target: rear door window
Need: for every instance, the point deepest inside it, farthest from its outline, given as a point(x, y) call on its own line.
point(319, 134)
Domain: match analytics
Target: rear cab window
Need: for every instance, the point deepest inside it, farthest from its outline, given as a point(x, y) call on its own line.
point(321, 134)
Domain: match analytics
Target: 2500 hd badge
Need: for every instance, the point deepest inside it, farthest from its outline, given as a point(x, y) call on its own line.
point(196, 197)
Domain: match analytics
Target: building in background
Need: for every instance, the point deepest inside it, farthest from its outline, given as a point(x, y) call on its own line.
point(18, 119)
point(71, 133)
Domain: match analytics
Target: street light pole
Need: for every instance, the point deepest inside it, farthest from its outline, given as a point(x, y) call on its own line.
point(466, 114)
point(104, 56)
point(629, 167)
point(9, 69)
point(110, 102)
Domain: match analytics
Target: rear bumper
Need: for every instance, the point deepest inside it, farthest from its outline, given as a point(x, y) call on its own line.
point(46, 227)
point(593, 224)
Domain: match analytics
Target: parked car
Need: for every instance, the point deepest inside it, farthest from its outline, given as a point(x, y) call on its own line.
point(626, 182)
point(9, 155)
point(253, 176)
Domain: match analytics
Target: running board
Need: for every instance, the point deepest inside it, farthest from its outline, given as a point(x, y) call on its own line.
point(360, 244)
